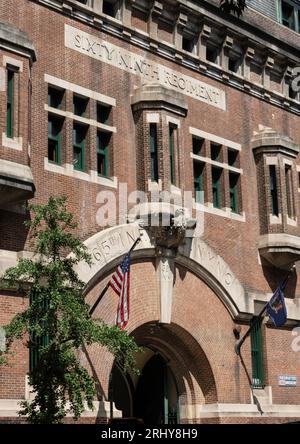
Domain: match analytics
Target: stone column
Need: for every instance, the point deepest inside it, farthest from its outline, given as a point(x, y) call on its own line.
point(249, 56)
point(98, 5)
point(204, 35)
point(155, 13)
point(266, 73)
point(166, 268)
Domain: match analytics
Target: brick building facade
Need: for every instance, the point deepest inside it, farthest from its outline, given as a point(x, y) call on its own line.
point(123, 96)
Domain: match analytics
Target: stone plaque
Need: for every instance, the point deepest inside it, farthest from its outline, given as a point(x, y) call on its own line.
point(143, 67)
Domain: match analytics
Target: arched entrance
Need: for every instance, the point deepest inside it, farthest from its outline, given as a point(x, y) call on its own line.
point(152, 397)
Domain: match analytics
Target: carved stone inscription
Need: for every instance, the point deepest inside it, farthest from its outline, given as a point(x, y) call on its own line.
point(143, 67)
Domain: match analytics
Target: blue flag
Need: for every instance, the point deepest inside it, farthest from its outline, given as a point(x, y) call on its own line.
point(276, 308)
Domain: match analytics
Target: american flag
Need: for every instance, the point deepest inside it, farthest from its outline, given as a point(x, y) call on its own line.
point(120, 283)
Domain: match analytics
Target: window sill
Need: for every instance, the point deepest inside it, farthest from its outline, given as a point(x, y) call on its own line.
point(68, 170)
point(225, 212)
point(15, 143)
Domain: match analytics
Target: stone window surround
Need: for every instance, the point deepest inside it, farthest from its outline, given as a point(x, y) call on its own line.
point(208, 206)
point(124, 28)
point(273, 160)
point(16, 142)
point(68, 169)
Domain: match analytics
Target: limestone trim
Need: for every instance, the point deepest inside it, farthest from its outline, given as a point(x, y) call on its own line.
point(215, 163)
point(91, 122)
point(226, 212)
point(101, 98)
point(15, 143)
point(108, 246)
point(13, 62)
point(223, 410)
point(92, 176)
point(214, 138)
point(17, 41)
point(9, 408)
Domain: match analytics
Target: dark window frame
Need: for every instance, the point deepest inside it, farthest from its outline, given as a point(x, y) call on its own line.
point(153, 151)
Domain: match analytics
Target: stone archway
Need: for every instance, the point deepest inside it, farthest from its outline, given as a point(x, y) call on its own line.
point(108, 246)
point(175, 374)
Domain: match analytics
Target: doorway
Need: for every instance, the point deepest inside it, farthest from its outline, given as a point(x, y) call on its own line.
point(154, 396)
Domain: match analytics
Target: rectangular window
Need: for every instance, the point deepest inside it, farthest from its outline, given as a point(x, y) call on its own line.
point(54, 139)
point(103, 113)
point(10, 103)
point(79, 136)
point(172, 132)
point(103, 153)
point(258, 379)
point(289, 192)
point(36, 342)
point(232, 157)
point(233, 190)
point(110, 7)
point(198, 146)
point(288, 15)
point(55, 97)
point(199, 181)
point(153, 152)
point(188, 44)
point(215, 151)
point(212, 54)
point(273, 190)
point(216, 187)
point(80, 105)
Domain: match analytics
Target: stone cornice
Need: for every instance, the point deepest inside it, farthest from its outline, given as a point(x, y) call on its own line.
point(191, 61)
point(15, 40)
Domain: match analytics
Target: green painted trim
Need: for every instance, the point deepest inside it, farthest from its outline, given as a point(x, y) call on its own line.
point(104, 153)
point(257, 354)
point(80, 147)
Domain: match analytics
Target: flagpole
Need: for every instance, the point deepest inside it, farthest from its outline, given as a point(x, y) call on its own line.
point(108, 283)
point(239, 344)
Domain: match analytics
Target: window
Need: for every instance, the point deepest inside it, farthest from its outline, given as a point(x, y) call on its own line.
point(198, 146)
point(273, 190)
point(54, 139)
point(212, 54)
point(36, 342)
point(292, 93)
point(172, 131)
point(289, 192)
point(103, 113)
point(234, 64)
point(188, 44)
point(153, 152)
point(257, 354)
point(215, 151)
point(198, 181)
point(288, 15)
point(10, 103)
point(233, 190)
point(79, 136)
point(55, 97)
point(80, 105)
point(232, 157)
point(103, 153)
point(111, 7)
point(216, 187)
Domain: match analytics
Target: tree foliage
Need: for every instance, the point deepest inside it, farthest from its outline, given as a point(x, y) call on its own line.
point(233, 6)
point(58, 313)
